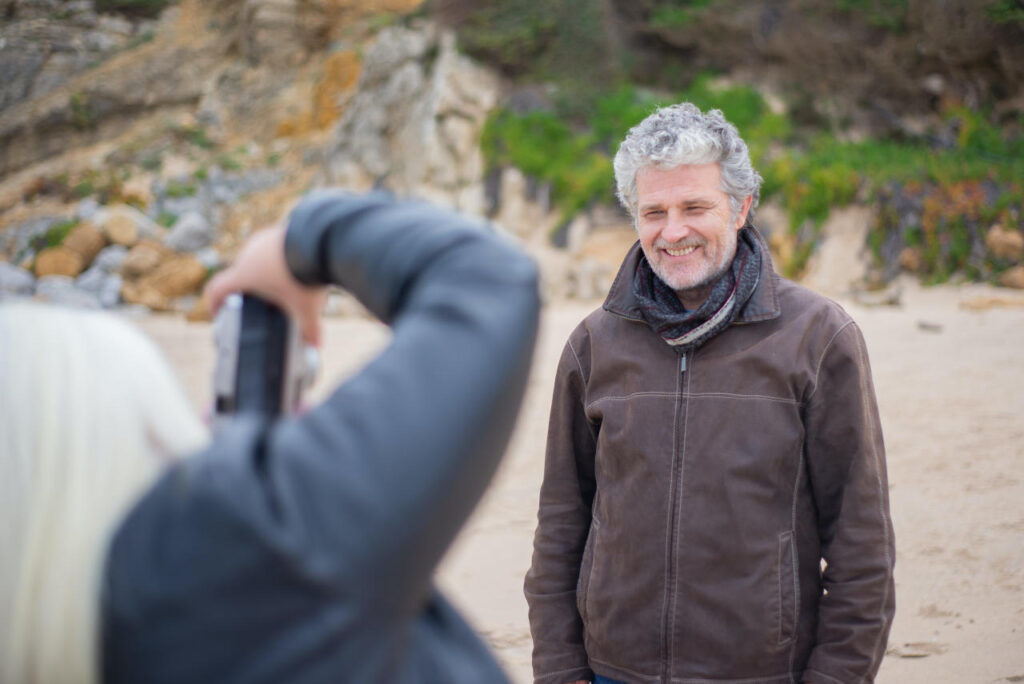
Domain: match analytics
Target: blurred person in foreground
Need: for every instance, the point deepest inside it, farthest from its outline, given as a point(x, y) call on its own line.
point(137, 548)
point(714, 505)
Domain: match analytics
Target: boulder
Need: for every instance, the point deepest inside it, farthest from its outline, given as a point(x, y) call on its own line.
point(110, 258)
point(104, 285)
point(58, 261)
point(126, 225)
point(1014, 278)
point(140, 294)
point(840, 261)
point(190, 233)
point(121, 230)
point(143, 258)
point(180, 275)
point(414, 124)
point(1005, 244)
point(86, 241)
point(15, 281)
point(61, 290)
point(910, 259)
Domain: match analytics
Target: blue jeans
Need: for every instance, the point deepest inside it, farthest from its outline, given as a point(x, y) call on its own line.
point(598, 679)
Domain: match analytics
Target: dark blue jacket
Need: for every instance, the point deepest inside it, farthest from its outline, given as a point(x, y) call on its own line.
point(302, 551)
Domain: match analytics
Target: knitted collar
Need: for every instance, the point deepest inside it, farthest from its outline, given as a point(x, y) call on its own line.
point(685, 330)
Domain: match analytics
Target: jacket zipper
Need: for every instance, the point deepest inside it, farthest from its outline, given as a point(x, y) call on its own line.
point(675, 501)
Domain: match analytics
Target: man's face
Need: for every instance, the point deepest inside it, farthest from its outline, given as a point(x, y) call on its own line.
point(686, 227)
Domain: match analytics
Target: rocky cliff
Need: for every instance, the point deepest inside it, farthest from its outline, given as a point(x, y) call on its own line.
point(138, 149)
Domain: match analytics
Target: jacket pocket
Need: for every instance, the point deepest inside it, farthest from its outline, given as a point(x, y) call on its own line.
point(586, 568)
point(787, 587)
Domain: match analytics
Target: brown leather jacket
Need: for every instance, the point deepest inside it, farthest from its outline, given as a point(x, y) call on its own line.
point(688, 503)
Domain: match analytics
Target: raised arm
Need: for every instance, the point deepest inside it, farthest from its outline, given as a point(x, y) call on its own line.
point(371, 486)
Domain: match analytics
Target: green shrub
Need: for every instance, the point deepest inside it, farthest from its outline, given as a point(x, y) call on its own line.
point(138, 8)
point(678, 13)
point(1006, 12)
point(887, 14)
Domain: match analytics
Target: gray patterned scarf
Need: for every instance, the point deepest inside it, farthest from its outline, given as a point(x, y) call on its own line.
point(685, 330)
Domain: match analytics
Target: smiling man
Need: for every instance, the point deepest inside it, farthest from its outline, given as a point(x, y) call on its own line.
point(714, 505)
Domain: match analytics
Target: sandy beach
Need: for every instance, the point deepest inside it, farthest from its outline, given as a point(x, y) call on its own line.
point(949, 372)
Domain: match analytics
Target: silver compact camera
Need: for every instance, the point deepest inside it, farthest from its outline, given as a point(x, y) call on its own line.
point(262, 365)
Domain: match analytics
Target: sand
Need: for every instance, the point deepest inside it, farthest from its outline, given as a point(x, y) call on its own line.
point(950, 384)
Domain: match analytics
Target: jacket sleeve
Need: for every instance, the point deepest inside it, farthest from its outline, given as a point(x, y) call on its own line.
point(369, 488)
point(846, 465)
point(563, 522)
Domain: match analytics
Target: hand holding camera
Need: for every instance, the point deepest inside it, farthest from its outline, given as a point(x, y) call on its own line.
point(262, 365)
point(260, 269)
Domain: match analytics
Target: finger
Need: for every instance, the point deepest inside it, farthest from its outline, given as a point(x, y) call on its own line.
point(217, 289)
point(310, 329)
point(310, 307)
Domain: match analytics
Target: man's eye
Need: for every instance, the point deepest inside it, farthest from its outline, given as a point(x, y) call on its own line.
point(656, 213)
point(696, 210)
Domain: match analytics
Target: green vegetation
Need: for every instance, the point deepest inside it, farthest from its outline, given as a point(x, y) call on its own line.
point(1006, 12)
point(180, 189)
point(562, 41)
point(138, 8)
point(195, 135)
point(166, 219)
point(571, 149)
point(679, 13)
point(228, 162)
point(887, 14)
point(82, 115)
point(54, 235)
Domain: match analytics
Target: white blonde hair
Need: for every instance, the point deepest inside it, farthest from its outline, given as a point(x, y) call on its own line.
point(90, 413)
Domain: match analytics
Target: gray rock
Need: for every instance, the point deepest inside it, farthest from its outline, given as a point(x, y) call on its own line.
point(147, 227)
point(110, 258)
point(106, 287)
point(209, 258)
point(414, 124)
point(190, 232)
point(16, 241)
point(15, 281)
point(61, 290)
point(87, 209)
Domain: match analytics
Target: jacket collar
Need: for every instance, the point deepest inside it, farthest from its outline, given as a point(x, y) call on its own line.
point(763, 304)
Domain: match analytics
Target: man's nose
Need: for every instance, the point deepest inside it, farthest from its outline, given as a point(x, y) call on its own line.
point(676, 227)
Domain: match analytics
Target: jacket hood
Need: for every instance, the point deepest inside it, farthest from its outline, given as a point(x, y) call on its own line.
point(763, 304)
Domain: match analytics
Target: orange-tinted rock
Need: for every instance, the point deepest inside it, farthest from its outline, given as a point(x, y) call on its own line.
point(86, 241)
point(1013, 278)
point(58, 261)
point(910, 259)
point(121, 229)
point(177, 276)
point(143, 258)
point(1004, 244)
point(139, 293)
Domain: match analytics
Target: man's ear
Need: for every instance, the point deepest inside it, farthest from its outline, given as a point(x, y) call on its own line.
point(741, 218)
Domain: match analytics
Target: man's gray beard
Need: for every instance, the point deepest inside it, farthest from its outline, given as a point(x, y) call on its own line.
point(703, 288)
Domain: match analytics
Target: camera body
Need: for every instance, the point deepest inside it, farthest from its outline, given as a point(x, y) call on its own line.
point(262, 366)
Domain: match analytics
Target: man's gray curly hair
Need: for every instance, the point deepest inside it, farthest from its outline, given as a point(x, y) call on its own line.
point(680, 134)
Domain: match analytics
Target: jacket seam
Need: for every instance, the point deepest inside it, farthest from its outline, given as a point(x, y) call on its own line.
point(623, 669)
point(819, 673)
point(697, 395)
point(824, 353)
point(541, 675)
